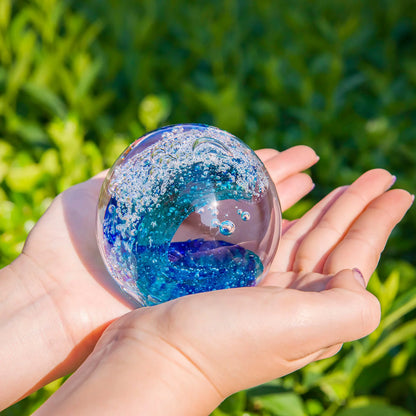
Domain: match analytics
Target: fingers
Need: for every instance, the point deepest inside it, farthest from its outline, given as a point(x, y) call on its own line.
point(266, 154)
point(294, 188)
point(284, 169)
point(365, 240)
point(293, 234)
point(333, 225)
point(360, 246)
point(289, 162)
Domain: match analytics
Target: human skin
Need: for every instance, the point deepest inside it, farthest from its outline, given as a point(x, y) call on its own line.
point(56, 298)
point(187, 355)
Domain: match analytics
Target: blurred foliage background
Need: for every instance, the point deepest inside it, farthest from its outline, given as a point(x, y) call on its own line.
point(79, 80)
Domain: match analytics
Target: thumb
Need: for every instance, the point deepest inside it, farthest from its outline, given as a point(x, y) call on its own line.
point(349, 287)
point(265, 332)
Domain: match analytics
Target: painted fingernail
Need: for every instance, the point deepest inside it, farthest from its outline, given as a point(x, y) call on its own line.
point(393, 180)
point(358, 276)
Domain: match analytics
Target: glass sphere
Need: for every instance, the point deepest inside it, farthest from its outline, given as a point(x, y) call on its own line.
point(185, 209)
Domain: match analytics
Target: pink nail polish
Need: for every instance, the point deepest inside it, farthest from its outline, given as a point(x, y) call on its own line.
point(359, 276)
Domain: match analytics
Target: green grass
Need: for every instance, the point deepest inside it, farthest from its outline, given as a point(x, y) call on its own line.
point(79, 80)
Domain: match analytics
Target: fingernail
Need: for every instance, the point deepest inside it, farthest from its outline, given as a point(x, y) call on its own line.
point(413, 198)
point(393, 180)
point(358, 276)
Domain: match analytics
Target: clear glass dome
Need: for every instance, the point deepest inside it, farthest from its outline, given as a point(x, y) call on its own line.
point(186, 209)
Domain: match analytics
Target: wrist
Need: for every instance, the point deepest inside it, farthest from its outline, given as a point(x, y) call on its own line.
point(133, 371)
point(33, 341)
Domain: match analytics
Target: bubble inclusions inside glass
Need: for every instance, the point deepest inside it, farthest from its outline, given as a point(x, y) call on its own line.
point(186, 209)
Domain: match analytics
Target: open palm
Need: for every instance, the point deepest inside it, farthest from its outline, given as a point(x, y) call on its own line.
point(347, 229)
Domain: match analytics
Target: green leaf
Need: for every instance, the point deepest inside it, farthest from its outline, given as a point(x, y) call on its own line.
point(226, 106)
point(95, 157)
point(68, 135)
point(395, 338)
point(374, 410)
point(153, 110)
point(6, 153)
point(219, 412)
point(335, 384)
point(21, 66)
point(288, 404)
point(89, 76)
point(389, 290)
point(23, 174)
point(234, 403)
point(402, 306)
point(5, 12)
point(375, 285)
point(314, 407)
point(50, 162)
point(31, 132)
point(42, 95)
point(399, 362)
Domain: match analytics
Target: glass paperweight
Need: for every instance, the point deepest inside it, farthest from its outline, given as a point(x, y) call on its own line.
point(185, 209)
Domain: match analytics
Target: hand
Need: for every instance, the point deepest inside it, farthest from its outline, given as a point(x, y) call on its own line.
point(187, 355)
point(61, 271)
